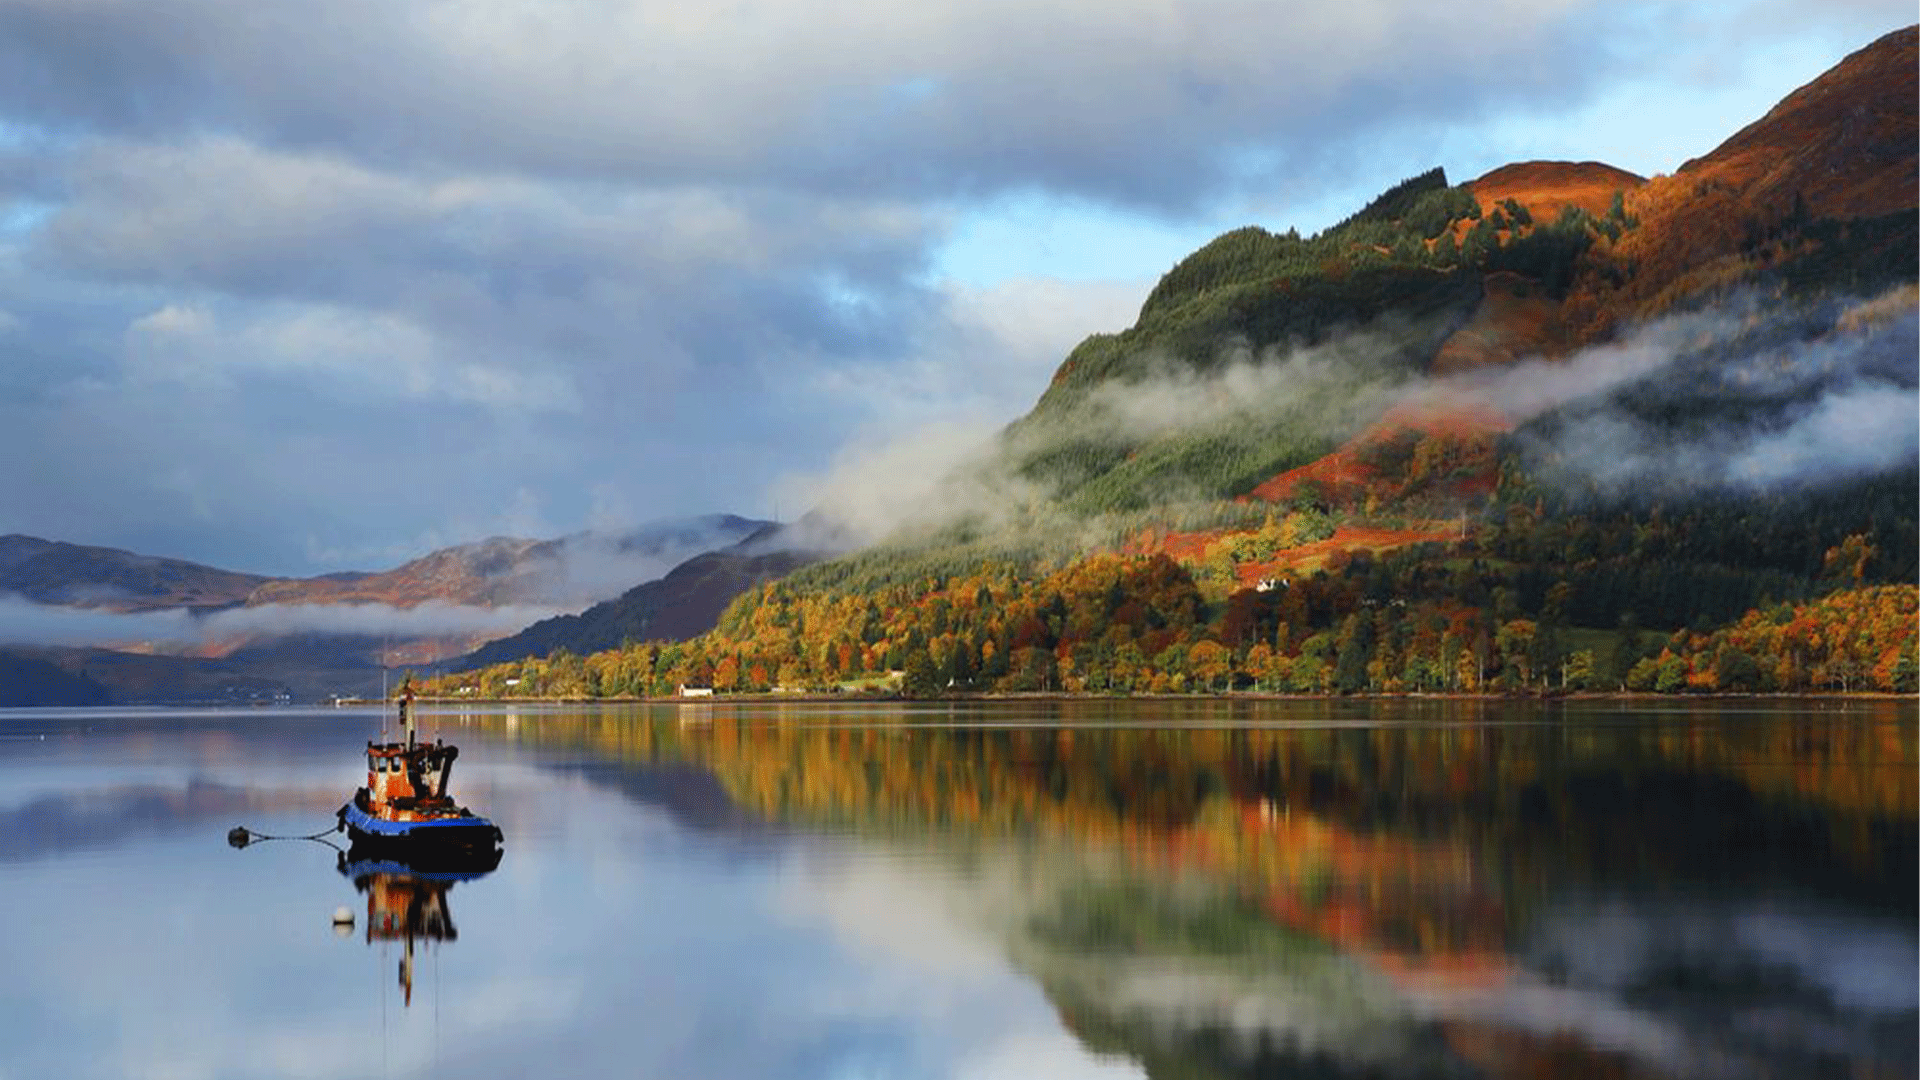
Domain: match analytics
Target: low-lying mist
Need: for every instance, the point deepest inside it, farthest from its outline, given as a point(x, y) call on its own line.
point(1748, 393)
point(1747, 396)
point(533, 581)
point(588, 567)
point(979, 471)
point(23, 622)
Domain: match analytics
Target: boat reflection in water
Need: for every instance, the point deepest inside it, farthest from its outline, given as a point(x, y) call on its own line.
point(407, 899)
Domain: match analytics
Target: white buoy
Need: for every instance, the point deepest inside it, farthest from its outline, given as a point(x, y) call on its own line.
point(342, 916)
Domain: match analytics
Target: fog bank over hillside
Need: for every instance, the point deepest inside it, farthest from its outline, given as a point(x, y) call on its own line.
point(1746, 396)
point(487, 589)
point(26, 623)
point(595, 565)
point(1805, 395)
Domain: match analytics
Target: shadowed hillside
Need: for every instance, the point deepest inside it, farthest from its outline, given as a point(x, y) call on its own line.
point(53, 572)
point(196, 633)
point(685, 603)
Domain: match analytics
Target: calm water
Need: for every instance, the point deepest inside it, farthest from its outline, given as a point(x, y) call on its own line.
point(1030, 890)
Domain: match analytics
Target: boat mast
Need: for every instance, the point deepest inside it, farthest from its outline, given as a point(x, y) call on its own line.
point(406, 710)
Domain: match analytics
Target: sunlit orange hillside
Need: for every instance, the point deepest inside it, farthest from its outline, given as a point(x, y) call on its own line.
point(1547, 187)
point(1414, 447)
point(1841, 147)
point(1444, 452)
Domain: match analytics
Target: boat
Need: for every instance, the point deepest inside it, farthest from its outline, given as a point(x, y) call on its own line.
point(404, 808)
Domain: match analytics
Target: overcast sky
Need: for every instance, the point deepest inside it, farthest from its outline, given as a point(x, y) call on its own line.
point(306, 286)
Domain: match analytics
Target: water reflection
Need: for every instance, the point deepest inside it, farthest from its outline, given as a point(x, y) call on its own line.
point(1021, 890)
point(407, 901)
point(65, 822)
point(1710, 893)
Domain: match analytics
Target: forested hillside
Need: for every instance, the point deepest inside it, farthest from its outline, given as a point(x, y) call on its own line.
point(1277, 348)
point(1515, 435)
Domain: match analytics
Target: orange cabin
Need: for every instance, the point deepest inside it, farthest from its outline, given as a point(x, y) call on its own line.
point(402, 778)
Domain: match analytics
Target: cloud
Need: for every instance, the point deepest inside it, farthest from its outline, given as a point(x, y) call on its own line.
point(926, 449)
point(939, 473)
point(486, 336)
point(548, 579)
point(27, 623)
point(354, 355)
point(431, 619)
point(528, 274)
point(1531, 387)
point(1834, 394)
point(593, 566)
point(350, 276)
point(1244, 385)
point(1754, 397)
point(928, 955)
point(929, 477)
point(934, 99)
point(1858, 430)
point(1604, 951)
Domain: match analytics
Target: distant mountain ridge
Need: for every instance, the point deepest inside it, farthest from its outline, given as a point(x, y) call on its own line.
point(80, 575)
point(685, 603)
point(575, 569)
point(492, 572)
point(27, 679)
point(263, 665)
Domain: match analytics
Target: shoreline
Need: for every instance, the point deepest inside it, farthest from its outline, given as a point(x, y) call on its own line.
point(758, 698)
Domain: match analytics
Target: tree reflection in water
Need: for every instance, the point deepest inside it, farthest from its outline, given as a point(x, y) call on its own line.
point(1313, 888)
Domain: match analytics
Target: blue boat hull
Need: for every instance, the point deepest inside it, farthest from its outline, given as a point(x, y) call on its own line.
point(441, 866)
point(467, 833)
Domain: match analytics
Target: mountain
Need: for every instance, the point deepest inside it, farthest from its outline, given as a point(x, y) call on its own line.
point(1516, 317)
point(1820, 191)
point(488, 573)
point(1263, 351)
point(53, 572)
point(493, 571)
point(33, 680)
point(1843, 145)
point(295, 670)
point(1560, 427)
point(1548, 188)
point(503, 570)
point(266, 638)
point(685, 603)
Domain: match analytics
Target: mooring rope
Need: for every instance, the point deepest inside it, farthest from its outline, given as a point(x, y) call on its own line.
point(240, 836)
